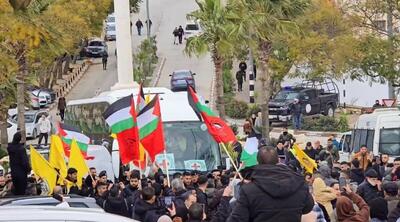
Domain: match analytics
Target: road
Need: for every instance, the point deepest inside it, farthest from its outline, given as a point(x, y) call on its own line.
point(165, 15)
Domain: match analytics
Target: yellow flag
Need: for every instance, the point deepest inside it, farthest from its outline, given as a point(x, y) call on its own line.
point(57, 157)
point(77, 161)
point(43, 169)
point(141, 152)
point(304, 160)
point(147, 99)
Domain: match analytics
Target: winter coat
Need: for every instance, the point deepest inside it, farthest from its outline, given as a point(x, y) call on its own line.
point(139, 24)
point(276, 193)
point(325, 172)
point(295, 109)
point(44, 125)
point(312, 153)
point(345, 211)
point(368, 192)
point(324, 195)
point(287, 138)
point(357, 175)
point(395, 214)
point(365, 160)
point(19, 162)
point(392, 203)
point(240, 76)
point(116, 205)
point(141, 208)
point(61, 103)
point(378, 208)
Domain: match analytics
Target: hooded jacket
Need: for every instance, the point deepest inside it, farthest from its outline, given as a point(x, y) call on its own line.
point(357, 175)
point(141, 208)
point(324, 195)
point(276, 193)
point(345, 211)
point(116, 205)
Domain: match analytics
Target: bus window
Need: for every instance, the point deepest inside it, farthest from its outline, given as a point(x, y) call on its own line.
point(389, 141)
point(362, 137)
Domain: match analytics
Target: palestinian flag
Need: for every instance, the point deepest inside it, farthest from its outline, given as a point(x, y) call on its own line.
point(121, 117)
point(151, 132)
point(140, 104)
point(69, 133)
point(218, 129)
point(249, 153)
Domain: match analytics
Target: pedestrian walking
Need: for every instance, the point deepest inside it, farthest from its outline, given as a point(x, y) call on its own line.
point(104, 59)
point(139, 26)
point(61, 107)
point(240, 77)
point(180, 34)
point(148, 25)
point(44, 129)
point(275, 193)
point(243, 65)
point(176, 34)
point(296, 114)
point(19, 165)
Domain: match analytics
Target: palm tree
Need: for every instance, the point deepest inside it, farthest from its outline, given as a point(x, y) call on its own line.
point(258, 24)
point(213, 39)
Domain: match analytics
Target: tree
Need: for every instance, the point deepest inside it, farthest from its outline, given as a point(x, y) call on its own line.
point(260, 23)
point(375, 22)
point(214, 39)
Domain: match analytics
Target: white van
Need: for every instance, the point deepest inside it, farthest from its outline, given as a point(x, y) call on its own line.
point(186, 137)
point(380, 131)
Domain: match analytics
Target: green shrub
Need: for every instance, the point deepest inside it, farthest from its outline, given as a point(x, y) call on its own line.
point(253, 109)
point(235, 128)
point(326, 123)
point(236, 109)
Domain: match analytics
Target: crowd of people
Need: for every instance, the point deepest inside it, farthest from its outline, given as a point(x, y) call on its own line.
point(276, 189)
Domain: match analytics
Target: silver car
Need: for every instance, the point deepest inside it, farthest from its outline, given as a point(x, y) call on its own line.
point(71, 200)
point(56, 214)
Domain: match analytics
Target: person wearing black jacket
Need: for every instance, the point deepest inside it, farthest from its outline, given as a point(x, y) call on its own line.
point(275, 193)
point(356, 173)
point(116, 203)
point(145, 204)
point(310, 151)
point(370, 188)
point(19, 164)
point(295, 110)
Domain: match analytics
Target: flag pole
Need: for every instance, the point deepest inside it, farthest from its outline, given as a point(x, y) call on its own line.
point(232, 161)
point(166, 168)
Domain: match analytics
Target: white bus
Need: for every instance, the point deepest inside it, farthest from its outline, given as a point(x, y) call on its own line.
point(186, 137)
point(380, 131)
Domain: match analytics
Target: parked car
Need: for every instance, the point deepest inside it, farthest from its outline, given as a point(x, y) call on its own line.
point(40, 92)
point(31, 119)
point(14, 110)
point(110, 20)
point(75, 201)
point(37, 101)
point(192, 28)
point(56, 214)
point(110, 33)
point(315, 99)
point(180, 79)
point(96, 48)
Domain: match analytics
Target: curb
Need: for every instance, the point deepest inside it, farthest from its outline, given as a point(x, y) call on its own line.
point(158, 75)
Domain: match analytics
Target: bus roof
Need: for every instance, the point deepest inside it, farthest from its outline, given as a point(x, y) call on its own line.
point(380, 118)
point(174, 105)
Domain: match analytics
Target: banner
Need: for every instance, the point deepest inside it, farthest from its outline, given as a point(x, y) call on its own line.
point(164, 160)
point(199, 165)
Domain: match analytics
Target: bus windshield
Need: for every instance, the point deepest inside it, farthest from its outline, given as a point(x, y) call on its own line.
point(389, 141)
point(186, 141)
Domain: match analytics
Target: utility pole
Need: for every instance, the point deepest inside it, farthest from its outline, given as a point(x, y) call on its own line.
point(389, 21)
point(251, 77)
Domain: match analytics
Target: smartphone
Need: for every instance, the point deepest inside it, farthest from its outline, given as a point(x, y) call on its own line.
point(168, 201)
point(342, 183)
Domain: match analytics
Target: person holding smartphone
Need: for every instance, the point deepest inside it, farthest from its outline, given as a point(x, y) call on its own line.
point(345, 210)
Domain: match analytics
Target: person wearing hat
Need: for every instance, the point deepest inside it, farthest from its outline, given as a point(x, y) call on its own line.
point(391, 191)
point(310, 151)
point(371, 187)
